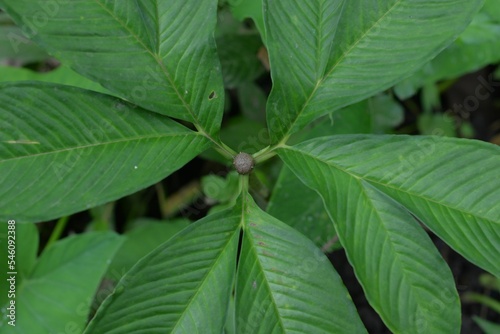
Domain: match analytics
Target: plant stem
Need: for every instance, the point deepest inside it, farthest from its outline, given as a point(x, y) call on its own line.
point(490, 302)
point(269, 151)
point(243, 188)
point(225, 150)
point(220, 147)
point(266, 153)
point(58, 229)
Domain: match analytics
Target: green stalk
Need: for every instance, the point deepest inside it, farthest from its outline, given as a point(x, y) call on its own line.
point(58, 230)
point(485, 300)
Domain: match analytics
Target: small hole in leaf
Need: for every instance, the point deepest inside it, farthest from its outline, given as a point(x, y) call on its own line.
point(212, 95)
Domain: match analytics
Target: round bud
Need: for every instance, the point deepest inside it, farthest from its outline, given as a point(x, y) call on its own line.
point(243, 162)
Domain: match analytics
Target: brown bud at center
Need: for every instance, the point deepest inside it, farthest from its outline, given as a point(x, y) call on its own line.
point(243, 162)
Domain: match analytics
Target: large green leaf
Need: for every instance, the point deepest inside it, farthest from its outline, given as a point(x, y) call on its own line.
point(63, 150)
point(285, 284)
point(477, 46)
point(57, 295)
point(449, 184)
point(402, 273)
point(160, 55)
point(145, 235)
point(183, 286)
point(300, 207)
point(24, 240)
point(328, 54)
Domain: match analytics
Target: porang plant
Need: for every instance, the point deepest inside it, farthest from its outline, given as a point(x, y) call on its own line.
point(65, 149)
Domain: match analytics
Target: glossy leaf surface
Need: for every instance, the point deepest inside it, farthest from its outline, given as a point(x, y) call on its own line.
point(183, 286)
point(285, 284)
point(476, 47)
point(57, 294)
point(160, 55)
point(325, 55)
point(362, 179)
point(422, 174)
point(63, 150)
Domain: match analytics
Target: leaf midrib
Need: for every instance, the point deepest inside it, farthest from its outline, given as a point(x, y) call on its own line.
point(111, 142)
point(205, 277)
point(259, 264)
point(156, 57)
point(335, 65)
point(290, 148)
point(405, 272)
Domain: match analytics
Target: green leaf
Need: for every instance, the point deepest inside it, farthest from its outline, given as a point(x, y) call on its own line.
point(378, 114)
point(466, 130)
point(238, 57)
point(24, 240)
point(243, 9)
point(344, 51)
point(63, 150)
point(355, 118)
point(430, 98)
point(180, 287)
point(221, 189)
point(252, 100)
point(300, 207)
point(230, 326)
point(245, 135)
point(477, 46)
point(146, 235)
point(386, 113)
point(26, 249)
point(227, 24)
point(285, 284)
point(488, 327)
point(56, 297)
point(492, 8)
point(293, 202)
point(449, 184)
point(62, 75)
point(160, 55)
point(436, 124)
point(402, 273)
point(241, 134)
point(16, 48)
